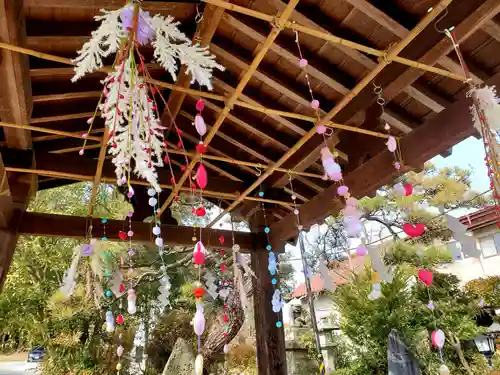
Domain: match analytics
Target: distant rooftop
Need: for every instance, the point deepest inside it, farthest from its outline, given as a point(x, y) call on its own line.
point(480, 219)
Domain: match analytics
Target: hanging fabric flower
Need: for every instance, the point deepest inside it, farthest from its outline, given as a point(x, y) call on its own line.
point(110, 322)
point(391, 144)
point(332, 169)
point(199, 254)
point(201, 176)
point(199, 124)
point(131, 305)
point(408, 189)
point(425, 277)
point(437, 338)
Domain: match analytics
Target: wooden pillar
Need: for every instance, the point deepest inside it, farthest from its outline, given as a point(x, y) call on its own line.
point(270, 340)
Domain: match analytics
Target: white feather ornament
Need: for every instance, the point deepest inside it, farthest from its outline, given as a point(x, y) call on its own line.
point(489, 105)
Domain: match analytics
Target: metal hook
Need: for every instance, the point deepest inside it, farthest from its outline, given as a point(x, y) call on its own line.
point(259, 171)
point(199, 16)
point(442, 31)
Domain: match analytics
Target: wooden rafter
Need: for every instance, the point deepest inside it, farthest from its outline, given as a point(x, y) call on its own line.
point(344, 102)
point(400, 31)
point(466, 28)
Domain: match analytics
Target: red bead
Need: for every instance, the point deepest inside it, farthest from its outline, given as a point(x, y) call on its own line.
point(226, 318)
point(183, 168)
point(223, 267)
point(179, 144)
point(122, 288)
point(221, 252)
point(166, 159)
point(120, 320)
point(199, 292)
point(176, 198)
point(179, 131)
point(150, 165)
point(115, 145)
point(192, 210)
point(225, 334)
point(193, 185)
point(200, 211)
point(172, 180)
point(154, 90)
point(225, 305)
point(200, 148)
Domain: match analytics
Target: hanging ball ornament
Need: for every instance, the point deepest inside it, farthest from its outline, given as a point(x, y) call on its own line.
point(315, 104)
point(118, 366)
point(226, 348)
point(342, 190)
point(151, 192)
point(130, 233)
point(444, 370)
point(303, 63)
point(156, 230)
point(159, 242)
point(321, 129)
point(119, 351)
point(152, 201)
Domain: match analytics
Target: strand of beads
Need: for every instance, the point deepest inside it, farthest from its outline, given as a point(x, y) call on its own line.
point(199, 293)
point(277, 300)
point(224, 286)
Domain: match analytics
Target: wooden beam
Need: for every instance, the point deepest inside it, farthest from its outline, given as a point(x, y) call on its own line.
point(466, 28)
point(437, 135)
point(38, 224)
point(67, 96)
point(203, 35)
point(15, 94)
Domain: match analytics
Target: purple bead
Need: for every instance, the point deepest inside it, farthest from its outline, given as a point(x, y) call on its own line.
point(131, 252)
point(130, 213)
point(397, 166)
point(144, 31)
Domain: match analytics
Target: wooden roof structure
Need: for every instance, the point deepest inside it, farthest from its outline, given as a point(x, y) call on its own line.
point(261, 127)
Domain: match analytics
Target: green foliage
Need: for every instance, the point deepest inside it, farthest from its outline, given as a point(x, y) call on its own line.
point(242, 359)
point(487, 289)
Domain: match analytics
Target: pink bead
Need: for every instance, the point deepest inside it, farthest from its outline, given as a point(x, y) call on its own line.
point(321, 129)
point(397, 166)
point(336, 176)
point(342, 190)
point(315, 104)
point(200, 105)
point(130, 233)
point(361, 251)
point(81, 152)
point(130, 213)
point(303, 63)
point(89, 121)
point(85, 135)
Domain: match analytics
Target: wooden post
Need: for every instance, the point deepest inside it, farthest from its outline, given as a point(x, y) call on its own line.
point(270, 340)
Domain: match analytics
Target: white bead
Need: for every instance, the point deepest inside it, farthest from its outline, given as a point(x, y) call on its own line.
point(151, 192)
point(236, 247)
point(300, 227)
point(296, 212)
point(294, 197)
point(159, 241)
point(156, 230)
point(152, 202)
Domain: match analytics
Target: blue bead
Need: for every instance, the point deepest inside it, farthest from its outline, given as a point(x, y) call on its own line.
point(274, 281)
point(104, 221)
point(104, 238)
point(261, 194)
point(269, 247)
point(108, 293)
point(279, 324)
point(273, 272)
point(267, 230)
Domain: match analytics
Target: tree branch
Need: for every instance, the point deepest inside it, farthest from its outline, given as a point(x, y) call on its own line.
point(384, 223)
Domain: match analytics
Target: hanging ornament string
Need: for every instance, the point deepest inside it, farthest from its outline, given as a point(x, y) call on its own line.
point(307, 278)
point(277, 300)
point(485, 111)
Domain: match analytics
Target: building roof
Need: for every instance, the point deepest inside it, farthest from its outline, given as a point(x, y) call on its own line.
point(480, 219)
point(340, 272)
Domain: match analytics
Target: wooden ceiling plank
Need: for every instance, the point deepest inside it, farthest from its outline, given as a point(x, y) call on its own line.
point(15, 95)
point(283, 52)
point(205, 31)
point(437, 135)
point(71, 116)
point(400, 31)
point(484, 13)
point(39, 99)
point(492, 29)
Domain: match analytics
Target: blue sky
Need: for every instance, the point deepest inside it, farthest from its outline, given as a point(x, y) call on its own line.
point(468, 154)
